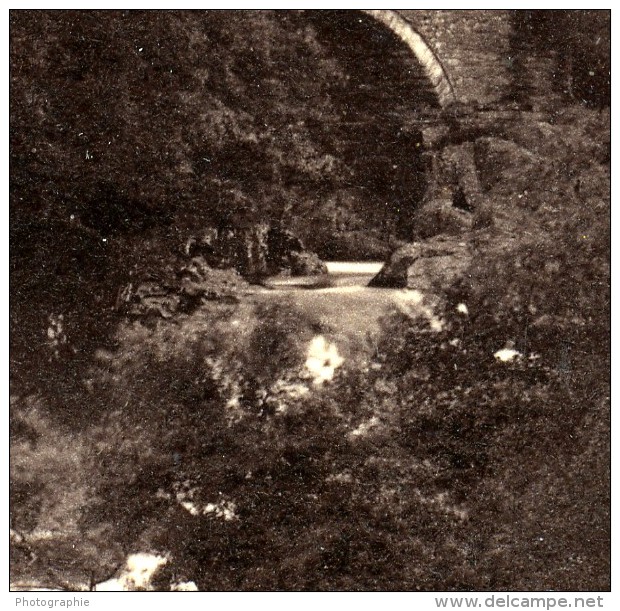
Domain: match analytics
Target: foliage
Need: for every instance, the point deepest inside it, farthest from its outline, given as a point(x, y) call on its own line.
point(132, 130)
point(431, 465)
point(518, 443)
point(51, 484)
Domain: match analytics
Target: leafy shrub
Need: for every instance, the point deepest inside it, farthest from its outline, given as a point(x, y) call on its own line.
point(432, 466)
point(512, 443)
point(51, 486)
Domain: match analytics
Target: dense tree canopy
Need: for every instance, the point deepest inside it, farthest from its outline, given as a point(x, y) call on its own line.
point(131, 130)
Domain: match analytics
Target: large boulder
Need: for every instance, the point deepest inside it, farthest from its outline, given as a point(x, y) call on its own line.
point(194, 284)
point(430, 266)
point(199, 283)
point(243, 248)
point(287, 254)
point(458, 169)
point(306, 264)
point(455, 198)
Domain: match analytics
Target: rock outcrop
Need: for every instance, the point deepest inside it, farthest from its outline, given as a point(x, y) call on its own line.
point(306, 264)
point(506, 167)
point(440, 216)
point(430, 266)
point(256, 251)
point(199, 283)
point(455, 198)
point(195, 283)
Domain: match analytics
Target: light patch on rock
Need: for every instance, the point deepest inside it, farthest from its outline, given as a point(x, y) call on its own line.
point(365, 427)
point(137, 574)
point(462, 309)
point(322, 360)
point(507, 354)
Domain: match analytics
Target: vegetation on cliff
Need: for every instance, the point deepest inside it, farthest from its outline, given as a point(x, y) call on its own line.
point(471, 453)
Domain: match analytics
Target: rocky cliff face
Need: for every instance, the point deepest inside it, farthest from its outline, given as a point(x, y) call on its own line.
point(492, 175)
point(256, 251)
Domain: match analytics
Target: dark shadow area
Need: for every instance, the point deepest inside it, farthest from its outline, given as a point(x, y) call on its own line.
point(572, 47)
point(383, 88)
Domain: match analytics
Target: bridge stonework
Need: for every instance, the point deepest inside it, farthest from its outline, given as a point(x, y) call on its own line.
point(485, 69)
point(474, 48)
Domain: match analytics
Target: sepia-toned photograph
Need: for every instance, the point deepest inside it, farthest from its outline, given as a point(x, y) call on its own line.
point(310, 300)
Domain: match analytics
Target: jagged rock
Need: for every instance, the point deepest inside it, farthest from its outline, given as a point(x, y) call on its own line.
point(194, 284)
point(253, 251)
point(242, 248)
point(200, 282)
point(453, 174)
point(281, 242)
point(459, 168)
point(454, 194)
point(440, 216)
point(287, 253)
point(429, 266)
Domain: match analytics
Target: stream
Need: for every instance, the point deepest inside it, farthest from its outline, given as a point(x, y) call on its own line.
point(342, 302)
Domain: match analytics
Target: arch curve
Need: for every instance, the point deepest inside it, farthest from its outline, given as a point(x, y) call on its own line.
point(429, 61)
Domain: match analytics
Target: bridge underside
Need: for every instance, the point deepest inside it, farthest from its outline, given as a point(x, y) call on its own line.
point(383, 101)
point(430, 63)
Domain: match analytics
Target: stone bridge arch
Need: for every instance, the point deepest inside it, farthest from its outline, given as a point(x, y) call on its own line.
point(427, 58)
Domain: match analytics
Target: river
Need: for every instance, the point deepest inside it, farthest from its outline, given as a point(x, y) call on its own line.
point(341, 301)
